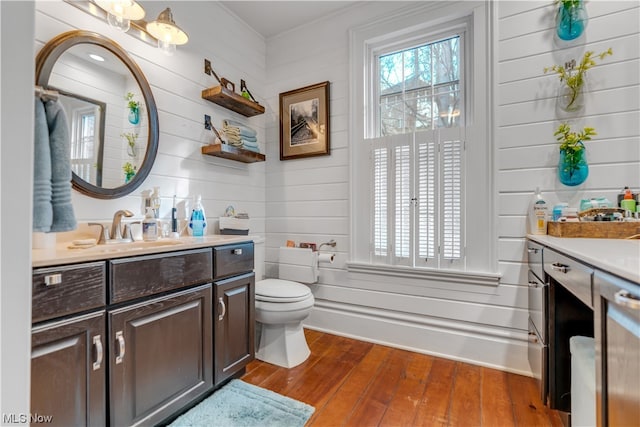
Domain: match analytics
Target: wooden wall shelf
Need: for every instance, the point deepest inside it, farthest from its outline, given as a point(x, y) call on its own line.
point(232, 101)
point(234, 153)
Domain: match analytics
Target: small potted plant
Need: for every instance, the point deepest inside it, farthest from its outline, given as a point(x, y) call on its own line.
point(571, 19)
point(572, 167)
point(570, 95)
point(134, 109)
point(131, 143)
point(129, 171)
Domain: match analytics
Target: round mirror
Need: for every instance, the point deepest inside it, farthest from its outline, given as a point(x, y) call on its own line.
point(113, 121)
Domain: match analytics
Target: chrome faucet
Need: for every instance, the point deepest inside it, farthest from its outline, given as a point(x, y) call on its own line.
point(116, 229)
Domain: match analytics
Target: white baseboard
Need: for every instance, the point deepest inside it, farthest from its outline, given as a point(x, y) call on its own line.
point(505, 350)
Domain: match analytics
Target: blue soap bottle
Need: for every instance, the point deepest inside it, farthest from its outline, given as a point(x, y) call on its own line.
point(198, 221)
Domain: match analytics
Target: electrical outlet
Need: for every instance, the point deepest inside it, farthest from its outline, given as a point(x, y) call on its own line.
point(207, 66)
point(207, 122)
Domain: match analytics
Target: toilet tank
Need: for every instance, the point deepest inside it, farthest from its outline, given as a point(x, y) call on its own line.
point(259, 257)
point(298, 265)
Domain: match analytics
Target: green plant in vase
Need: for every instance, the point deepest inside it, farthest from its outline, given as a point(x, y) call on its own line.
point(132, 139)
point(134, 108)
point(573, 168)
point(129, 171)
point(573, 77)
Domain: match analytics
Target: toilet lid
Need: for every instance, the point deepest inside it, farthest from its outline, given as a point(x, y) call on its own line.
point(276, 290)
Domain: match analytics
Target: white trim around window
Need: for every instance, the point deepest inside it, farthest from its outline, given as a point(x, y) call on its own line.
point(480, 246)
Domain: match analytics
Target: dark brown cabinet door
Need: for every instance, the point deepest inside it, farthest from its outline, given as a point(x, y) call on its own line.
point(160, 356)
point(234, 320)
point(68, 360)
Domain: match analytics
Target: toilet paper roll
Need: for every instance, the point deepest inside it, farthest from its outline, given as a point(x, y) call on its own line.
point(326, 258)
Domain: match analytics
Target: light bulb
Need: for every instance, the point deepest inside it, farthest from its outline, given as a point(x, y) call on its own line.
point(167, 47)
point(118, 22)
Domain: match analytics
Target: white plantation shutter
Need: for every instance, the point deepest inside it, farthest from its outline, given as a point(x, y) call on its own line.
point(380, 207)
point(426, 204)
point(451, 199)
point(418, 198)
point(402, 205)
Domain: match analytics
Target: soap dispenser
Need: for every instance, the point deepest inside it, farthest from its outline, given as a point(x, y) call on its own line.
point(149, 226)
point(198, 221)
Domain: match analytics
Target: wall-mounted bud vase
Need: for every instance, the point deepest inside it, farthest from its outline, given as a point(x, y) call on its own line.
point(571, 19)
point(572, 77)
point(134, 109)
point(573, 168)
point(134, 116)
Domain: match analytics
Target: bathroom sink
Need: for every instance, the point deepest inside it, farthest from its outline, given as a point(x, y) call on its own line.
point(135, 246)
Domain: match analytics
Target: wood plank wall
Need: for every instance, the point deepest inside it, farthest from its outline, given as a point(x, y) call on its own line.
point(236, 52)
point(307, 199)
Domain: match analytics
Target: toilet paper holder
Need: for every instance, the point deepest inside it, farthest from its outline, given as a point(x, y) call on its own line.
point(331, 243)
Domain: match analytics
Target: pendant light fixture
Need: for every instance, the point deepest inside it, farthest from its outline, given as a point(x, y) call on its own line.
point(120, 13)
point(167, 32)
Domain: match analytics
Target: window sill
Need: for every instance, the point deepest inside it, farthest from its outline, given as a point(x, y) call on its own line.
point(466, 277)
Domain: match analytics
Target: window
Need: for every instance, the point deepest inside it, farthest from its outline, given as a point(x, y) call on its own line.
point(82, 143)
point(422, 183)
point(417, 180)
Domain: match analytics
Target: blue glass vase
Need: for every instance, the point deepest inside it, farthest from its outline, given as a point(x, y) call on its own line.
point(134, 116)
point(571, 19)
point(573, 168)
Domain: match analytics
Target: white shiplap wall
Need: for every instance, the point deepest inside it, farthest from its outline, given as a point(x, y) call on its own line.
point(237, 52)
point(527, 153)
point(307, 199)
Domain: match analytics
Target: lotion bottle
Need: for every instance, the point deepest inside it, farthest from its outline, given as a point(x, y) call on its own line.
point(538, 215)
point(198, 221)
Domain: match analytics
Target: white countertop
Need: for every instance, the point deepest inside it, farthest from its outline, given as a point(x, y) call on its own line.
point(617, 256)
point(61, 254)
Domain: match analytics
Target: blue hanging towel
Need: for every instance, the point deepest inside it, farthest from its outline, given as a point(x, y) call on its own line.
point(42, 208)
point(60, 145)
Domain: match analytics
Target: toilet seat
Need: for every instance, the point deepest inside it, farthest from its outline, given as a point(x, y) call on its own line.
point(281, 291)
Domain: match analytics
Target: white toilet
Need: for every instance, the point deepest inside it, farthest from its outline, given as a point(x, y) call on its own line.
point(281, 306)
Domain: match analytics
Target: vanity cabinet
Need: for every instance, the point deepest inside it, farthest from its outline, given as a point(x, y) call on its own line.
point(617, 339)
point(160, 358)
point(234, 313)
point(68, 371)
point(135, 340)
point(68, 346)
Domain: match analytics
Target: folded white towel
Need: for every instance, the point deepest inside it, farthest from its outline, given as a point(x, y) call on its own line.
point(243, 129)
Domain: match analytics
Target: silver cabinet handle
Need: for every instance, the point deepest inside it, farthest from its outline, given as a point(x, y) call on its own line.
point(533, 338)
point(532, 250)
point(237, 251)
point(53, 279)
point(560, 267)
point(533, 284)
point(97, 342)
point(224, 309)
point(625, 299)
point(121, 350)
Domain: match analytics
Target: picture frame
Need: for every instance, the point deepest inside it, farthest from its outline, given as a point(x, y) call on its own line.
point(304, 122)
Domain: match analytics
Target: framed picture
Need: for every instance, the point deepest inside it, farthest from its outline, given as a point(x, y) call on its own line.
point(304, 122)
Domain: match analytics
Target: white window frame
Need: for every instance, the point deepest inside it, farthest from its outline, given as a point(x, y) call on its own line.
point(480, 245)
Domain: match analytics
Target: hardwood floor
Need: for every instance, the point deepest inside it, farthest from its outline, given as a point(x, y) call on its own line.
point(355, 383)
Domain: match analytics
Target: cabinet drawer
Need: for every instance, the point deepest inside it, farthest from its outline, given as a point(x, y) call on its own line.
point(534, 256)
point(233, 259)
point(142, 276)
point(571, 274)
point(59, 291)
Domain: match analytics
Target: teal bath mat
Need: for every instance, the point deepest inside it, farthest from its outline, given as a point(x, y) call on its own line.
point(239, 404)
